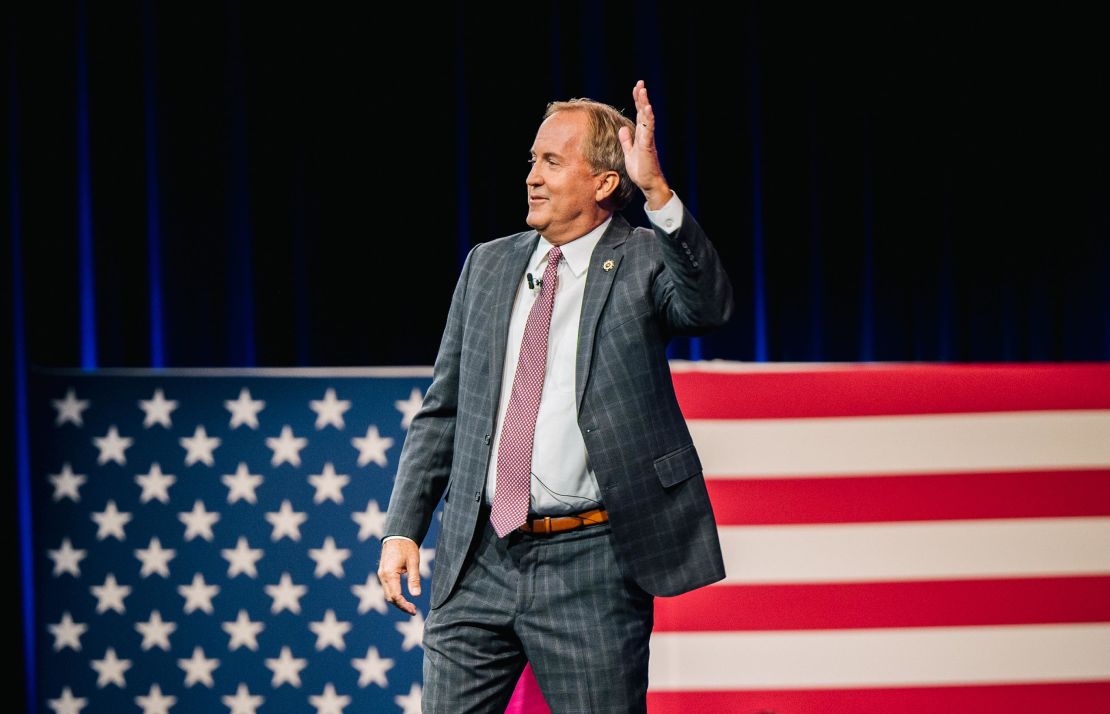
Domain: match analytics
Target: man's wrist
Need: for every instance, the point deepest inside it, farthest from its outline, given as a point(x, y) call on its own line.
point(669, 216)
point(658, 195)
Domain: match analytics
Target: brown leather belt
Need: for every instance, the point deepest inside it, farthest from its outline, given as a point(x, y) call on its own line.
point(556, 524)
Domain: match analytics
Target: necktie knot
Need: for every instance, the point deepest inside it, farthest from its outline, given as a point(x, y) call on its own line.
point(553, 256)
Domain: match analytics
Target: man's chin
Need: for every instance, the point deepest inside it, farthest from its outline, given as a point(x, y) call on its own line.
point(534, 222)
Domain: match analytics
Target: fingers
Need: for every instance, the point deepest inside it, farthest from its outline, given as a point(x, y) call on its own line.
point(625, 137)
point(413, 566)
point(639, 95)
point(645, 117)
point(391, 588)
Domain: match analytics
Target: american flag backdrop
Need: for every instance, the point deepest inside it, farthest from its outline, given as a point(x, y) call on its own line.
point(208, 541)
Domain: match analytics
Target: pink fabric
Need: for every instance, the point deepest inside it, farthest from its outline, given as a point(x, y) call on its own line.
point(514, 454)
point(527, 698)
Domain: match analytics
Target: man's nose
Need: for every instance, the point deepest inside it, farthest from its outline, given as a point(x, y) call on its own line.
point(533, 178)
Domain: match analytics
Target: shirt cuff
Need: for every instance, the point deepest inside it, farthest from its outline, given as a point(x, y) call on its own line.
point(397, 536)
point(669, 217)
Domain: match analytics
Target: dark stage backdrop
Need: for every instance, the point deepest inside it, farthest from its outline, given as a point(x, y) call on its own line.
point(252, 184)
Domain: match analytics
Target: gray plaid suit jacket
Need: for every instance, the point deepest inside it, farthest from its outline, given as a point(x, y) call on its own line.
point(656, 286)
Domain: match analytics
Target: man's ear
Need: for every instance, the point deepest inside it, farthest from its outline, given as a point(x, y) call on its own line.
point(607, 185)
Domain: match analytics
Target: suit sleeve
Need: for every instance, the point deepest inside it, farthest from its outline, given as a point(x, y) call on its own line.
point(425, 463)
point(692, 293)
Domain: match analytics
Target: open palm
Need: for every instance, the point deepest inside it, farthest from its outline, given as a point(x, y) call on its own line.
point(641, 160)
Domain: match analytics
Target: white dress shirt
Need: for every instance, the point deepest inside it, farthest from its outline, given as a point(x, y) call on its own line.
point(562, 481)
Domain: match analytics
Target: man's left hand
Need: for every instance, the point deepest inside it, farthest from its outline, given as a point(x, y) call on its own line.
point(641, 160)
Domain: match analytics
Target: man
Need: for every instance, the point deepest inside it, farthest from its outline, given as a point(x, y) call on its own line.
point(573, 492)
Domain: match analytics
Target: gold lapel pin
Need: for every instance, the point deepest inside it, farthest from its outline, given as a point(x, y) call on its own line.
point(607, 265)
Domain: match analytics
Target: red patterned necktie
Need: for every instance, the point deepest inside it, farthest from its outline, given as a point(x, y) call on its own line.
point(514, 453)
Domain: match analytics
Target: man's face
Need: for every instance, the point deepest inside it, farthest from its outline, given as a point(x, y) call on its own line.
point(562, 189)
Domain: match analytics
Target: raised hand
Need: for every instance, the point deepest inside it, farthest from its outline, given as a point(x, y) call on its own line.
point(641, 160)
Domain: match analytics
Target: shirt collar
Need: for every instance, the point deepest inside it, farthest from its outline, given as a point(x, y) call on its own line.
point(576, 252)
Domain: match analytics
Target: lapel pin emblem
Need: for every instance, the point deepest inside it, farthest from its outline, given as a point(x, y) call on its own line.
point(607, 265)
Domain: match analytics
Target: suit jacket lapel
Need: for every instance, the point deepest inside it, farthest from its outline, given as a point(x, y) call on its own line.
point(598, 283)
point(506, 278)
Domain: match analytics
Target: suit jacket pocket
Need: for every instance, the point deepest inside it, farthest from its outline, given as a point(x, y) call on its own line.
point(678, 465)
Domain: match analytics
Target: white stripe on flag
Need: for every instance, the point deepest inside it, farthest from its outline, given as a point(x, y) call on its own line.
point(879, 657)
point(916, 550)
point(892, 444)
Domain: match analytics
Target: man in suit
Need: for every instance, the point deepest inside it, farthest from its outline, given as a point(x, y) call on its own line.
point(573, 492)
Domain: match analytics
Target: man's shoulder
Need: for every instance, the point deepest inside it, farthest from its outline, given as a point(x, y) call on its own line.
point(490, 255)
point(508, 242)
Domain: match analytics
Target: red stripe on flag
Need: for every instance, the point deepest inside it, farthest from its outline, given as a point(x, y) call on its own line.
point(892, 389)
point(1010, 494)
point(919, 603)
point(1010, 698)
